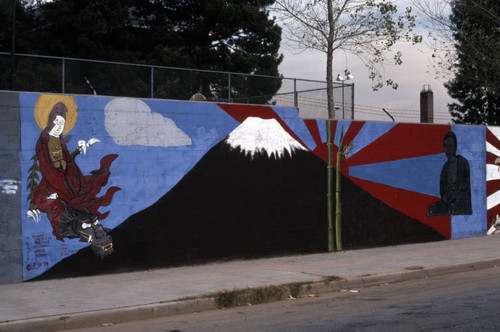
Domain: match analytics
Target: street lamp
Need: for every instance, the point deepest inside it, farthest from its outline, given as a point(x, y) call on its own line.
point(342, 79)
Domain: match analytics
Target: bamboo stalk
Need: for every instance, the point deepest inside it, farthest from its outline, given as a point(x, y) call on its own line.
point(338, 203)
point(329, 194)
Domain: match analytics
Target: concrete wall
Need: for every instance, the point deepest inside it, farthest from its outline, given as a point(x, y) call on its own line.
point(189, 182)
point(11, 257)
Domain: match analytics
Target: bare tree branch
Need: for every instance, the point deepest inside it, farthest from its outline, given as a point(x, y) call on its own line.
point(435, 16)
point(366, 29)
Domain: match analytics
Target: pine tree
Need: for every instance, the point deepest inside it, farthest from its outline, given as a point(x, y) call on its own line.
point(476, 85)
point(223, 35)
point(228, 35)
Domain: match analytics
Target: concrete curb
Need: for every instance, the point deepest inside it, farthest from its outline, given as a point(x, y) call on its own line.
point(114, 315)
point(412, 273)
point(209, 301)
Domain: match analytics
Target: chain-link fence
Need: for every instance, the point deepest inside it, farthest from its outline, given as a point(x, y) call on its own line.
point(23, 72)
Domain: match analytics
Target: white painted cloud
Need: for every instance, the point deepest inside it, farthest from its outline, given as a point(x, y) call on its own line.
point(130, 121)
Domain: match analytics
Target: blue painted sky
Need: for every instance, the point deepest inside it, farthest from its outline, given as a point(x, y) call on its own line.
point(143, 173)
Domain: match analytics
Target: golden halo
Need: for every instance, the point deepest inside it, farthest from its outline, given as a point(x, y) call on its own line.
point(46, 103)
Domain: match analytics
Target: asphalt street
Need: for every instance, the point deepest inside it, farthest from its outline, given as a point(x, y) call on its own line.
point(91, 301)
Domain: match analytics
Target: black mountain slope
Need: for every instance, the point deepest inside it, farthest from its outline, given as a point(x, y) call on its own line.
point(233, 206)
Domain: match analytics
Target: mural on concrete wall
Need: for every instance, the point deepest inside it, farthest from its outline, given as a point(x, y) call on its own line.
point(64, 194)
point(493, 177)
point(204, 181)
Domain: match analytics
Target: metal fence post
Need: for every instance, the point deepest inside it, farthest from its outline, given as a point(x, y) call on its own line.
point(13, 45)
point(76, 86)
point(352, 101)
point(63, 80)
point(295, 93)
point(228, 87)
point(152, 82)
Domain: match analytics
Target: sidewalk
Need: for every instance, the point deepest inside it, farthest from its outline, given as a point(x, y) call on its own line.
point(89, 301)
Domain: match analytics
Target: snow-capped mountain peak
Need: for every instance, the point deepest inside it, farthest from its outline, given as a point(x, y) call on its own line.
point(256, 135)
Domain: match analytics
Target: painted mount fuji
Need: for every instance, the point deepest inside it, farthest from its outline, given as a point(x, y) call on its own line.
point(257, 193)
point(258, 136)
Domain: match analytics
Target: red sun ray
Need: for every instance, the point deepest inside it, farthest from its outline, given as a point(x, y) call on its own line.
point(312, 126)
point(410, 203)
point(322, 150)
point(401, 142)
point(492, 187)
point(492, 139)
point(352, 131)
point(490, 158)
point(334, 129)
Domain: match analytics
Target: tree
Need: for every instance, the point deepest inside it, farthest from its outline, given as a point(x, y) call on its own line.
point(225, 35)
point(367, 29)
point(232, 35)
point(464, 35)
point(13, 14)
point(476, 85)
point(435, 15)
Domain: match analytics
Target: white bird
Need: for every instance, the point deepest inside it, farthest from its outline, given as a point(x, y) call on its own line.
point(83, 146)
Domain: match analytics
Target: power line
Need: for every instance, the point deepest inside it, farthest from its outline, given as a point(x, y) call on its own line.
point(368, 110)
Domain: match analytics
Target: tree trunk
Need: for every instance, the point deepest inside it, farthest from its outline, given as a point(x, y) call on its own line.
point(329, 62)
point(331, 116)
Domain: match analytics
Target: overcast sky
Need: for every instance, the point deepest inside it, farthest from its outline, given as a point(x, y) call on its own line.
point(403, 103)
